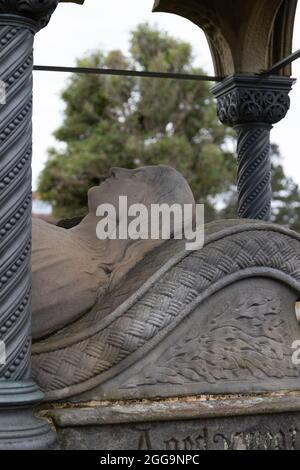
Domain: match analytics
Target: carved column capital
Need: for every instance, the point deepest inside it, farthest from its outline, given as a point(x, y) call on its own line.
point(34, 14)
point(252, 99)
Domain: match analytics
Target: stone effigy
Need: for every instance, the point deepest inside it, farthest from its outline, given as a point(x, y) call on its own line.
point(73, 269)
point(214, 321)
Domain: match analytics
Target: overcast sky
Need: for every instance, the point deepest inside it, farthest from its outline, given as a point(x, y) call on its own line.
point(74, 30)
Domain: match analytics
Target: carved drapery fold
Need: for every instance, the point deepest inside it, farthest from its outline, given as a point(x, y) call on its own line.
point(102, 345)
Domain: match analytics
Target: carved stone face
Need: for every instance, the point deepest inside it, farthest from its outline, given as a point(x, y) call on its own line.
point(121, 182)
point(148, 185)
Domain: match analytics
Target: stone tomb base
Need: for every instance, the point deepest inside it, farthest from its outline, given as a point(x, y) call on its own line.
point(257, 422)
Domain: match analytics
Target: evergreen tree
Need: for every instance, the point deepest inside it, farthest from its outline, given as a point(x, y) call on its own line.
point(132, 122)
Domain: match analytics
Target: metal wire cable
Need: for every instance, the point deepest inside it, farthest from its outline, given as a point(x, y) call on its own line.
point(127, 73)
point(162, 75)
point(282, 63)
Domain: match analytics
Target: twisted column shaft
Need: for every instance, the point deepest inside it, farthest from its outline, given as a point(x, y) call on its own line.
point(19, 21)
point(16, 44)
point(254, 180)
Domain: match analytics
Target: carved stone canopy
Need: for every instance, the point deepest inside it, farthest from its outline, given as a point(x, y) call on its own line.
point(34, 13)
point(244, 36)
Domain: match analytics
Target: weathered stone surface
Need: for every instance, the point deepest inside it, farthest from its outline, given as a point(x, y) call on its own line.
point(262, 421)
point(259, 433)
point(95, 413)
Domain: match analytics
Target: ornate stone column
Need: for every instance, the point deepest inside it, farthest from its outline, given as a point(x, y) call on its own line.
point(246, 38)
point(251, 105)
point(19, 21)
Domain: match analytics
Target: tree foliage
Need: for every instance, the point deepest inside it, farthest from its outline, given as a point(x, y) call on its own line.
point(131, 122)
